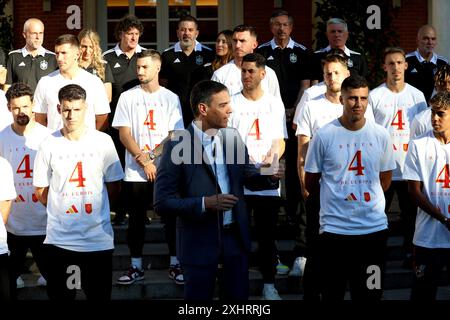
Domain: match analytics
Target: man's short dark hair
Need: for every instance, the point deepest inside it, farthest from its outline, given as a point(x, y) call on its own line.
point(71, 92)
point(126, 23)
point(440, 101)
point(354, 82)
point(280, 12)
point(67, 39)
point(152, 53)
point(258, 59)
point(246, 27)
point(202, 92)
point(18, 90)
point(188, 18)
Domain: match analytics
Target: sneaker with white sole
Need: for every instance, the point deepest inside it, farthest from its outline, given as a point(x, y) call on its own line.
point(131, 275)
point(282, 269)
point(176, 274)
point(298, 268)
point(20, 283)
point(270, 293)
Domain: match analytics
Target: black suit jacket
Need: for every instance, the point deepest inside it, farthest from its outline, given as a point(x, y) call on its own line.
point(183, 178)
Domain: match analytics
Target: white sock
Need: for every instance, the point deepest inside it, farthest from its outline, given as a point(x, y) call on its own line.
point(269, 285)
point(137, 262)
point(174, 260)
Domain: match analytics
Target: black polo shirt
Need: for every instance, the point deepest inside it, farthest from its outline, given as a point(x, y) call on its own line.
point(109, 78)
point(123, 70)
point(23, 67)
point(356, 63)
point(420, 73)
point(177, 69)
point(291, 65)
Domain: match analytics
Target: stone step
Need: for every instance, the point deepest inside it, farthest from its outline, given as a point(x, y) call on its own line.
point(157, 285)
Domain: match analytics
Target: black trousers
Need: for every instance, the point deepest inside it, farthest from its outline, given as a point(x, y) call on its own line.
point(265, 213)
point(311, 276)
point(139, 195)
point(18, 247)
point(352, 259)
point(95, 271)
point(7, 281)
point(408, 211)
point(232, 278)
point(428, 266)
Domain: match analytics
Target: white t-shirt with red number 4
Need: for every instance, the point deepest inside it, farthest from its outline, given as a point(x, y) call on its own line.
point(28, 216)
point(7, 192)
point(351, 197)
point(428, 161)
point(395, 112)
point(76, 173)
point(259, 123)
point(151, 116)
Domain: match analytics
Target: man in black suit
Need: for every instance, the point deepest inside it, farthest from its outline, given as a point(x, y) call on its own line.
point(201, 180)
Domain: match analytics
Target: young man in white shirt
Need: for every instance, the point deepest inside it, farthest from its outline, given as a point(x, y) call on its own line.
point(19, 143)
point(350, 163)
point(244, 42)
point(260, 120)
point(395, 104)
point(427, 173)
point(67, 50)
point(76, 170)
point(316, 113)
point(145, 115)
point(7, 194)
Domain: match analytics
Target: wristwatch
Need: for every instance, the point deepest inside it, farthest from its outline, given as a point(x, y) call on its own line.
point(445, 221)
point(151, 155)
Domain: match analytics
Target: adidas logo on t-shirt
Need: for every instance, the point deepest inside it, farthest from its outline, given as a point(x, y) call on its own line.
point(414, 70)
point(270, 58)
point(22, 64)
point(117, 65)
point(176, 60)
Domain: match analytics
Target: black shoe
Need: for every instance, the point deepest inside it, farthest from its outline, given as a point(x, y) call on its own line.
point(120, 220)
point(148, 221)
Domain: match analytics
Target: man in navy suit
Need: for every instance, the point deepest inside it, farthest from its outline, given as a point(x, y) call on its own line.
point(201, 179)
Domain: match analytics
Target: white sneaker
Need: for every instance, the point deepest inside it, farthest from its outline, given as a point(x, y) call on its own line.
point(41, 281)
point(20, 283)
point(298, 268)
point(270, 293)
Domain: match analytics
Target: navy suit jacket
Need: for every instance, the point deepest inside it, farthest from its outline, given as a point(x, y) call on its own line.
point(183, 178)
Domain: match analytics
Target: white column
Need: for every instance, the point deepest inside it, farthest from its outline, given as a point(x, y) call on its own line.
point(439, 18)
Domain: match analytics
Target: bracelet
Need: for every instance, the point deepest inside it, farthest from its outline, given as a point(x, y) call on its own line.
point(445, 221)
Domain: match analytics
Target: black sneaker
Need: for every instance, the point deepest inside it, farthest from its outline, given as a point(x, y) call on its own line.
point(176, 274)
point(120, 220)
point(131, 275)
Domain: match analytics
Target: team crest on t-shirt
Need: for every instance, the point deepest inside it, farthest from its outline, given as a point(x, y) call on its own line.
point(293, 58)
point(43, 65)
point(199, 60)
point(350, 63)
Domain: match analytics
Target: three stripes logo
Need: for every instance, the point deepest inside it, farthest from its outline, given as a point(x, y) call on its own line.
point(19, 198)
point(351, 197)
point(72, 210)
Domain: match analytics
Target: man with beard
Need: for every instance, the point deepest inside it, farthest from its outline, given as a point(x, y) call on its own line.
point(19, 143)
point(395, 103)
point(32, 62)
point(144, 116)
point(181, 60)
point(315, 114)
point(350, 162)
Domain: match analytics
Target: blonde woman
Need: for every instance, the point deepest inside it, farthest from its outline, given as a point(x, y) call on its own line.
point(91, 59)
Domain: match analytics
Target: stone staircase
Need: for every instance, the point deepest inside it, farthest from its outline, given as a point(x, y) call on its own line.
point(157, 285)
